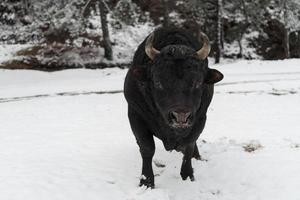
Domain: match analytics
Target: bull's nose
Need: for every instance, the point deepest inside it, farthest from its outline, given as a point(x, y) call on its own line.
point(180, 118)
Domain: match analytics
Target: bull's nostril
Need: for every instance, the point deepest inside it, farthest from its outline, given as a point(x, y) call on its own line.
point(173, 116)
point(188, 116)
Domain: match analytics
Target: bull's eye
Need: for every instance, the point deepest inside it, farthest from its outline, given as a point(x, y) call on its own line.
point(158, 85)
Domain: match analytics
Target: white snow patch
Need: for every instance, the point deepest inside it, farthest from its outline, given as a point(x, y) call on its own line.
point(7, 52)
point(81, 147)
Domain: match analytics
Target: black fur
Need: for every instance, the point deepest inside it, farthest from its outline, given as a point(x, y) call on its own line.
point(176, 80)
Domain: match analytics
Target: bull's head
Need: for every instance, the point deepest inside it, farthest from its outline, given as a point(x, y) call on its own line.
point(201, 54)
point(179, 75)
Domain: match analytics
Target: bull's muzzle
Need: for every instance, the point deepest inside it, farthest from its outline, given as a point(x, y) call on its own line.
point(180, 118)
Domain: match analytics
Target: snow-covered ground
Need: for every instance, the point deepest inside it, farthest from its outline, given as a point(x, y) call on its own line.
point(8, 52)
point(65, 135)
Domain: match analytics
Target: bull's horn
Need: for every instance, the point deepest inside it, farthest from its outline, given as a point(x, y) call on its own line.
point(149, 49)
point(204, 51)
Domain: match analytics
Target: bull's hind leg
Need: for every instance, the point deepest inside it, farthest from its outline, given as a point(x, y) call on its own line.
point(146, 144)
point(196, 154)
point(186, 167)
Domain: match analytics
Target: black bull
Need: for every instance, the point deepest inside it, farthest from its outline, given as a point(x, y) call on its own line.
point(168, 89)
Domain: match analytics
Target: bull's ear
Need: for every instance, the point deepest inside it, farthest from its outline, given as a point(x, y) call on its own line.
point(140, 73)
point(213, 76)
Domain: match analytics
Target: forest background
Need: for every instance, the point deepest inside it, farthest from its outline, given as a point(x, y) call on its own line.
point(62, 34)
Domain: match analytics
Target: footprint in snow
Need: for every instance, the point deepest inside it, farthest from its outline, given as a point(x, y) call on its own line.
point(252, 146)
point(159, 163)
point(160, 167)
point(295, 146)
point(143, 193)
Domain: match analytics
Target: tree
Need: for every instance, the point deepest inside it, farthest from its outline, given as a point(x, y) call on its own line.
point(166, 22)
point(243, 26)
point(236, 23)
point(129, 13)
point(291, 13)
point(25, 6)
point(103, 7)
point(286, 12)
point(286, 40)
point(219, 40)
point(108, 54)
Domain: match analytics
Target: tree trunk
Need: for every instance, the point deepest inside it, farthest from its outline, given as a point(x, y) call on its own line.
point(108, 54)
point(166, 22)
point(240, 55)
point(86, 9)
point(286, 40)
point(25, 6)
point(219, 50)
point(243, 28)
point(286, 43)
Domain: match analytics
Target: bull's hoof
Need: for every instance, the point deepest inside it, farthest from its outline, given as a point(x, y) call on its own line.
point(197, 157)
point(147, 181)
point(185, 176)
point(187, 171)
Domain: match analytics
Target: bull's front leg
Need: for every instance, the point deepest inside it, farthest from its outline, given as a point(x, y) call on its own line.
point(186, 166)
point(146, 144)
point(147, 150)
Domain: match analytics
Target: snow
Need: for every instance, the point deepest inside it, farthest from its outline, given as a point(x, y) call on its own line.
point(128, 38)
point(60, 140)
point(125, 41)
point(7, 52)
